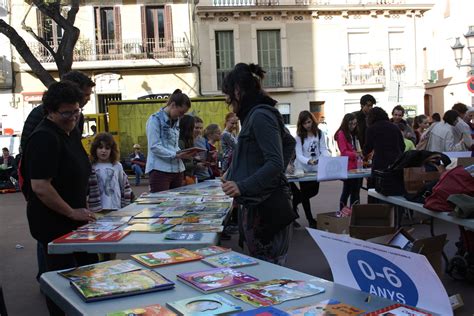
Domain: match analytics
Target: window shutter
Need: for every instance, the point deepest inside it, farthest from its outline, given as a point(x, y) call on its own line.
point(118, 29)
point(98, 31)
point(39, 20)
point(168, 27)
point(144, 33)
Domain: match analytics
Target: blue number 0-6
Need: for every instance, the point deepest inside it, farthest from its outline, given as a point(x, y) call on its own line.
point(376, 275)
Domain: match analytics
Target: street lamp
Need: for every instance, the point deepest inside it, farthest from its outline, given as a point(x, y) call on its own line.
point(458, 50)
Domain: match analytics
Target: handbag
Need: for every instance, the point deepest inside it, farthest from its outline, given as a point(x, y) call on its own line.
point(416, 177)
point(389, 182)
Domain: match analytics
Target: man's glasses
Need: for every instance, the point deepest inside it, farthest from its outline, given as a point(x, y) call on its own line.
point(69, 114)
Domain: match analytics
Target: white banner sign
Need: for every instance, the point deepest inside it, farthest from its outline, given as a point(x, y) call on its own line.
point(398, 275)
point(332, 168)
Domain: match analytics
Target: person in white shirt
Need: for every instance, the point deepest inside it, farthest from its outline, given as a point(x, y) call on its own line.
point(310, 145)
point(462, 130)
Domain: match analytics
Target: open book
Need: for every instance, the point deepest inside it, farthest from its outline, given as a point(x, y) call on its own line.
point(192, 150)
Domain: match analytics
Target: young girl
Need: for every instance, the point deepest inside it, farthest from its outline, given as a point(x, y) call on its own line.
point(346, 138)
point(229, 139)
point(212, 135)
point(310, 145)
point(109, 188)
point(186, 140)
point(164, 164)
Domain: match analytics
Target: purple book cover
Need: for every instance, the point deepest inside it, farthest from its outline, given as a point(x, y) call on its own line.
point(216, 279)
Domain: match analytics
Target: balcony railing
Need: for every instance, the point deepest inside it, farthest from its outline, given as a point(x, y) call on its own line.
point(277, 77)
point(90, 50)
point(364, 75)
point(236, 3)
point(4, 5)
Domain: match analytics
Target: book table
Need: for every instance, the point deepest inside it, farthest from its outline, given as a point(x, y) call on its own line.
point(364, 173)
point(60, 291)
point(137, 242)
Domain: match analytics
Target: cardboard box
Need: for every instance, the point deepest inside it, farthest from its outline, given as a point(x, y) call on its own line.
point(430, 247)
point(371, 220)
point(331, 223)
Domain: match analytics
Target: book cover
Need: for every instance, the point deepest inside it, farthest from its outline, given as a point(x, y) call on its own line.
point(205, 228)
point(151, 310)
point(91, 236)
point(151, 213)
point(274, 292)
point(174, 213)
point(326, 307)
point(121, 213)
point(192, 150)
point(211, 304)
point(216, 279)
point(265, 311)
point(398, 309)
point(123, 284)
point(148, 221)
point(100, 269)
point(211, 251)
point(161, 258)
point(230, 260)
point(114, 219)
point(183, 236)
point(100, 226)
point(151, 228)
point(173, 220)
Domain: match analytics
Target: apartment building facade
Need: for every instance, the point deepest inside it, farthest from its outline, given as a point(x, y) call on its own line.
point(320, 56)
point(131, 49)
point(6, 78)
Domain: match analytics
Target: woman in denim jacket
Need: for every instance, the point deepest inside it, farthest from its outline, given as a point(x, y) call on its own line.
point(164, 163)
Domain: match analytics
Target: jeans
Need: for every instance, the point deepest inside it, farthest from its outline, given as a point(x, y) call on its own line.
point(138, 173)
point(350, 188)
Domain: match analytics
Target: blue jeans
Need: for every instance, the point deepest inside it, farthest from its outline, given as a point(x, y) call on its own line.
point(138, 173)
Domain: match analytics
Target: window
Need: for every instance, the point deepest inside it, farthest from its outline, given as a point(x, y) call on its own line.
point(397, 65)
point(357, 48)
point(50, 31)
point(157, 30)
point(108, 31)
point(284, 109)
point(269, 56)
point(103, 101)
point(224, 54)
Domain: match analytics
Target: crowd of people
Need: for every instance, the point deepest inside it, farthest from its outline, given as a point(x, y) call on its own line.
point(65, 187)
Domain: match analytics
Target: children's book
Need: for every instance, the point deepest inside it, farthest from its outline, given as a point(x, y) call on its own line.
point(174, 213)
point(230, 260)
point(151, 213)
point(123, 284)
point(90, 236)
point(398, 309)
point(326, 307)
point(151, 228)
point(265, 311)
point(183, 236)
point(192, 150)
point(267, 293)
point(191, 208)
point(150, 200)
point(216, 279)
point(173, 220)
point(205, 228)
point(148, 221)
point(161, 258)
point(114, 219)
point(151, 310)
point(211, 251)
point(100, 226)
point(100, 269)
point(204, 305)
point(121, 213)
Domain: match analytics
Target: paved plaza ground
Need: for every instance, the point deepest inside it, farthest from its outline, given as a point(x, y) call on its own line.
point(18, 252)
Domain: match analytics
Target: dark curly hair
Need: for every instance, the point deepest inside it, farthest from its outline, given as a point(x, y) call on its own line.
point(367, 98)
point(450, 117)
point(80, 78)
point(179, 98)
point(107, 140)
point(63, 92)
point(376, 114)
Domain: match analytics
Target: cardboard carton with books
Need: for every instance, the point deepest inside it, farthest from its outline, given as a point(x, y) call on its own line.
point(331, 223)
point(372, 220)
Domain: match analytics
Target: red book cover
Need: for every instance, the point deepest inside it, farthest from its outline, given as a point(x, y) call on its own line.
point(398, 309)
point(91, 236)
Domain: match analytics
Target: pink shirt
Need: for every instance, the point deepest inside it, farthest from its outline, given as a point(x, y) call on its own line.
point(347, 149)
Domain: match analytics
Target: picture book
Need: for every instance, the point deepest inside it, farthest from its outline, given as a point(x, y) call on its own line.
point(216, 279)
point(265, 311)
point(121, 213)
point(174, 213)
point(150, 200)
point(183, 236)
point(213, 222)
point(205, 228)
point(151, 310)
point(123, 284)
point(151, 212)
point(173, 220)
point(203, 305)
point(398, 309)
point(151, 228)
point(100, 226)
point(91, 236)
point(161, 258)
point(148, 221)
point(326, 307)
point(192, 150)
point(230, 260)
point(114, 219)
point(192, 208)
point(267, 293)
point(100, 269)
point(211, 251)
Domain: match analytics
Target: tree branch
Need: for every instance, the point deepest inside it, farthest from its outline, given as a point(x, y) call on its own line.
point(25, 52)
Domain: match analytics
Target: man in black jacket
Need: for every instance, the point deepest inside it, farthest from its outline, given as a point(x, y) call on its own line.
point(366, 103)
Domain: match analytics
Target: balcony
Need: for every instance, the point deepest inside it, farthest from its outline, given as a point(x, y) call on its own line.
point(238, 3)
point(368, 76)
point(177, 52)
point(275, 78)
